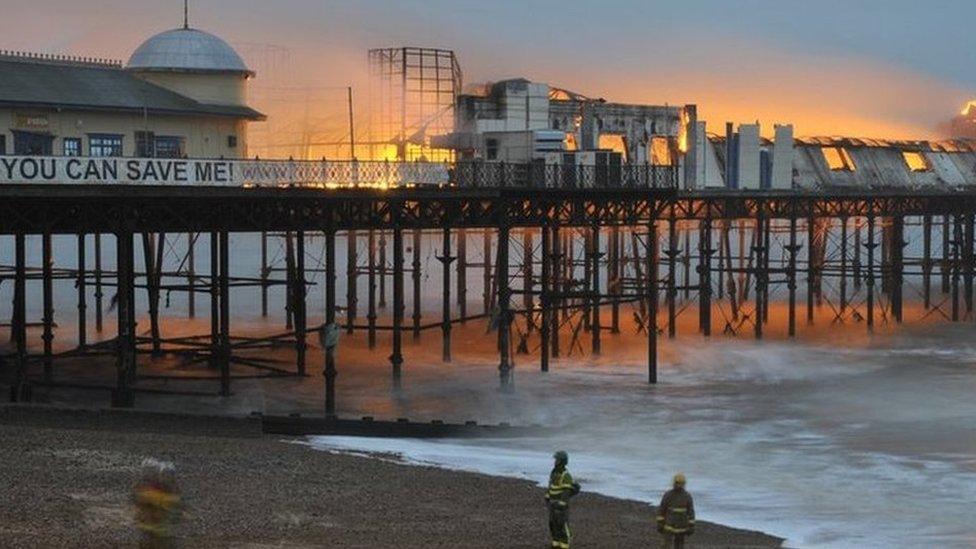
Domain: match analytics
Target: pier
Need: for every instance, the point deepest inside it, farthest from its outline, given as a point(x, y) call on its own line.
point(565, 253)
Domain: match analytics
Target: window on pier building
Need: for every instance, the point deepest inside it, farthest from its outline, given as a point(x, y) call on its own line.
point(838, 159)
point(71, 146)
point(104, 144)
point(170, 146)
point(916, 161)
point(491, 149)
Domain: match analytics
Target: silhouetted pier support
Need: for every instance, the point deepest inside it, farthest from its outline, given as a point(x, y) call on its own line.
point(122, 396)
point(504, 315)
point(446, 260)
point(652, 300)
point(47, 314)
point(20, 390)
point(595, 322)
point(329, 372)
point(152, 287)
point(672, 253)
point(760, 270)
point(545, 299)
point(396, 358)
point(705, 252)
point(791, 249)
point(352, 276)
point(555, 285)
point(300, 289)
point(897, 266)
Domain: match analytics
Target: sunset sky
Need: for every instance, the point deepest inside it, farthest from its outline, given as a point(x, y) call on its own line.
point(892, 68)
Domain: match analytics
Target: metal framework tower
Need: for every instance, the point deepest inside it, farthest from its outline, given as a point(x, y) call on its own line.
point(412, 96)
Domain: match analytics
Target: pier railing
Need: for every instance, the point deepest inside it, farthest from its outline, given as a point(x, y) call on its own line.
point(329, 173)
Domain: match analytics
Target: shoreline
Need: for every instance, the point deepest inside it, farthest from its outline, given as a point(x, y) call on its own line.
point(71, 484)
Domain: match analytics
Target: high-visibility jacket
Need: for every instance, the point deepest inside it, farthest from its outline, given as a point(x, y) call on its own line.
point(676, 514)
point(561, 487)
point(155, 506)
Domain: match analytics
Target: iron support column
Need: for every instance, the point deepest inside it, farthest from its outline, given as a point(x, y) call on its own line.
point(705, 277)
point(446, 261)
point(672, 254)
point(545, 299)
point(652, 300)
point(329, 372)
point(126, 346)
point(504, 304)
point(595, 324)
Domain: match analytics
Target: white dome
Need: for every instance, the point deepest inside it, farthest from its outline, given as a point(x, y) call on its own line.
point(186, 50)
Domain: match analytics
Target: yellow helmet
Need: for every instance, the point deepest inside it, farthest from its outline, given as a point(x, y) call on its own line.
point(679, 479)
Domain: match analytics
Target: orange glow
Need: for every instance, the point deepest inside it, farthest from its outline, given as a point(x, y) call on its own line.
point(613, 142)
point(569, 143)
point(838, 159)
point(683, 132)
point(661, 151)
point(915, 161)
point(969, 108)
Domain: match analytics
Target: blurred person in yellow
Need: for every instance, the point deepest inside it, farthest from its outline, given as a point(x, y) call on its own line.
point(157, 502)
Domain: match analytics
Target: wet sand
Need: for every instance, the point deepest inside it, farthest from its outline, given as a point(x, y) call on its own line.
point(68, 477)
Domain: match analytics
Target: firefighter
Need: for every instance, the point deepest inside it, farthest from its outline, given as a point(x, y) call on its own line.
point(156, 501)
point(561, 488)
point(676, 515)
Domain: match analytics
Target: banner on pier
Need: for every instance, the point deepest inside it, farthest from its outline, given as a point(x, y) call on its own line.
point(241, 173)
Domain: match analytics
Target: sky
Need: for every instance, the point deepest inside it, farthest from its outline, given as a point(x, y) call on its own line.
point(873, 68)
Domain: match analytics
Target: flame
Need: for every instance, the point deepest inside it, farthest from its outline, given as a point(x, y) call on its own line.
point(969, 108)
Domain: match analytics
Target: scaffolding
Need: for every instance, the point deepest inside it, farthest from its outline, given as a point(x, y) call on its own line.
point(412, 96)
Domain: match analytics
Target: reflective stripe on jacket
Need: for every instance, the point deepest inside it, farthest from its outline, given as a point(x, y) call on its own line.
point(561, 487)
point(676, 514)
